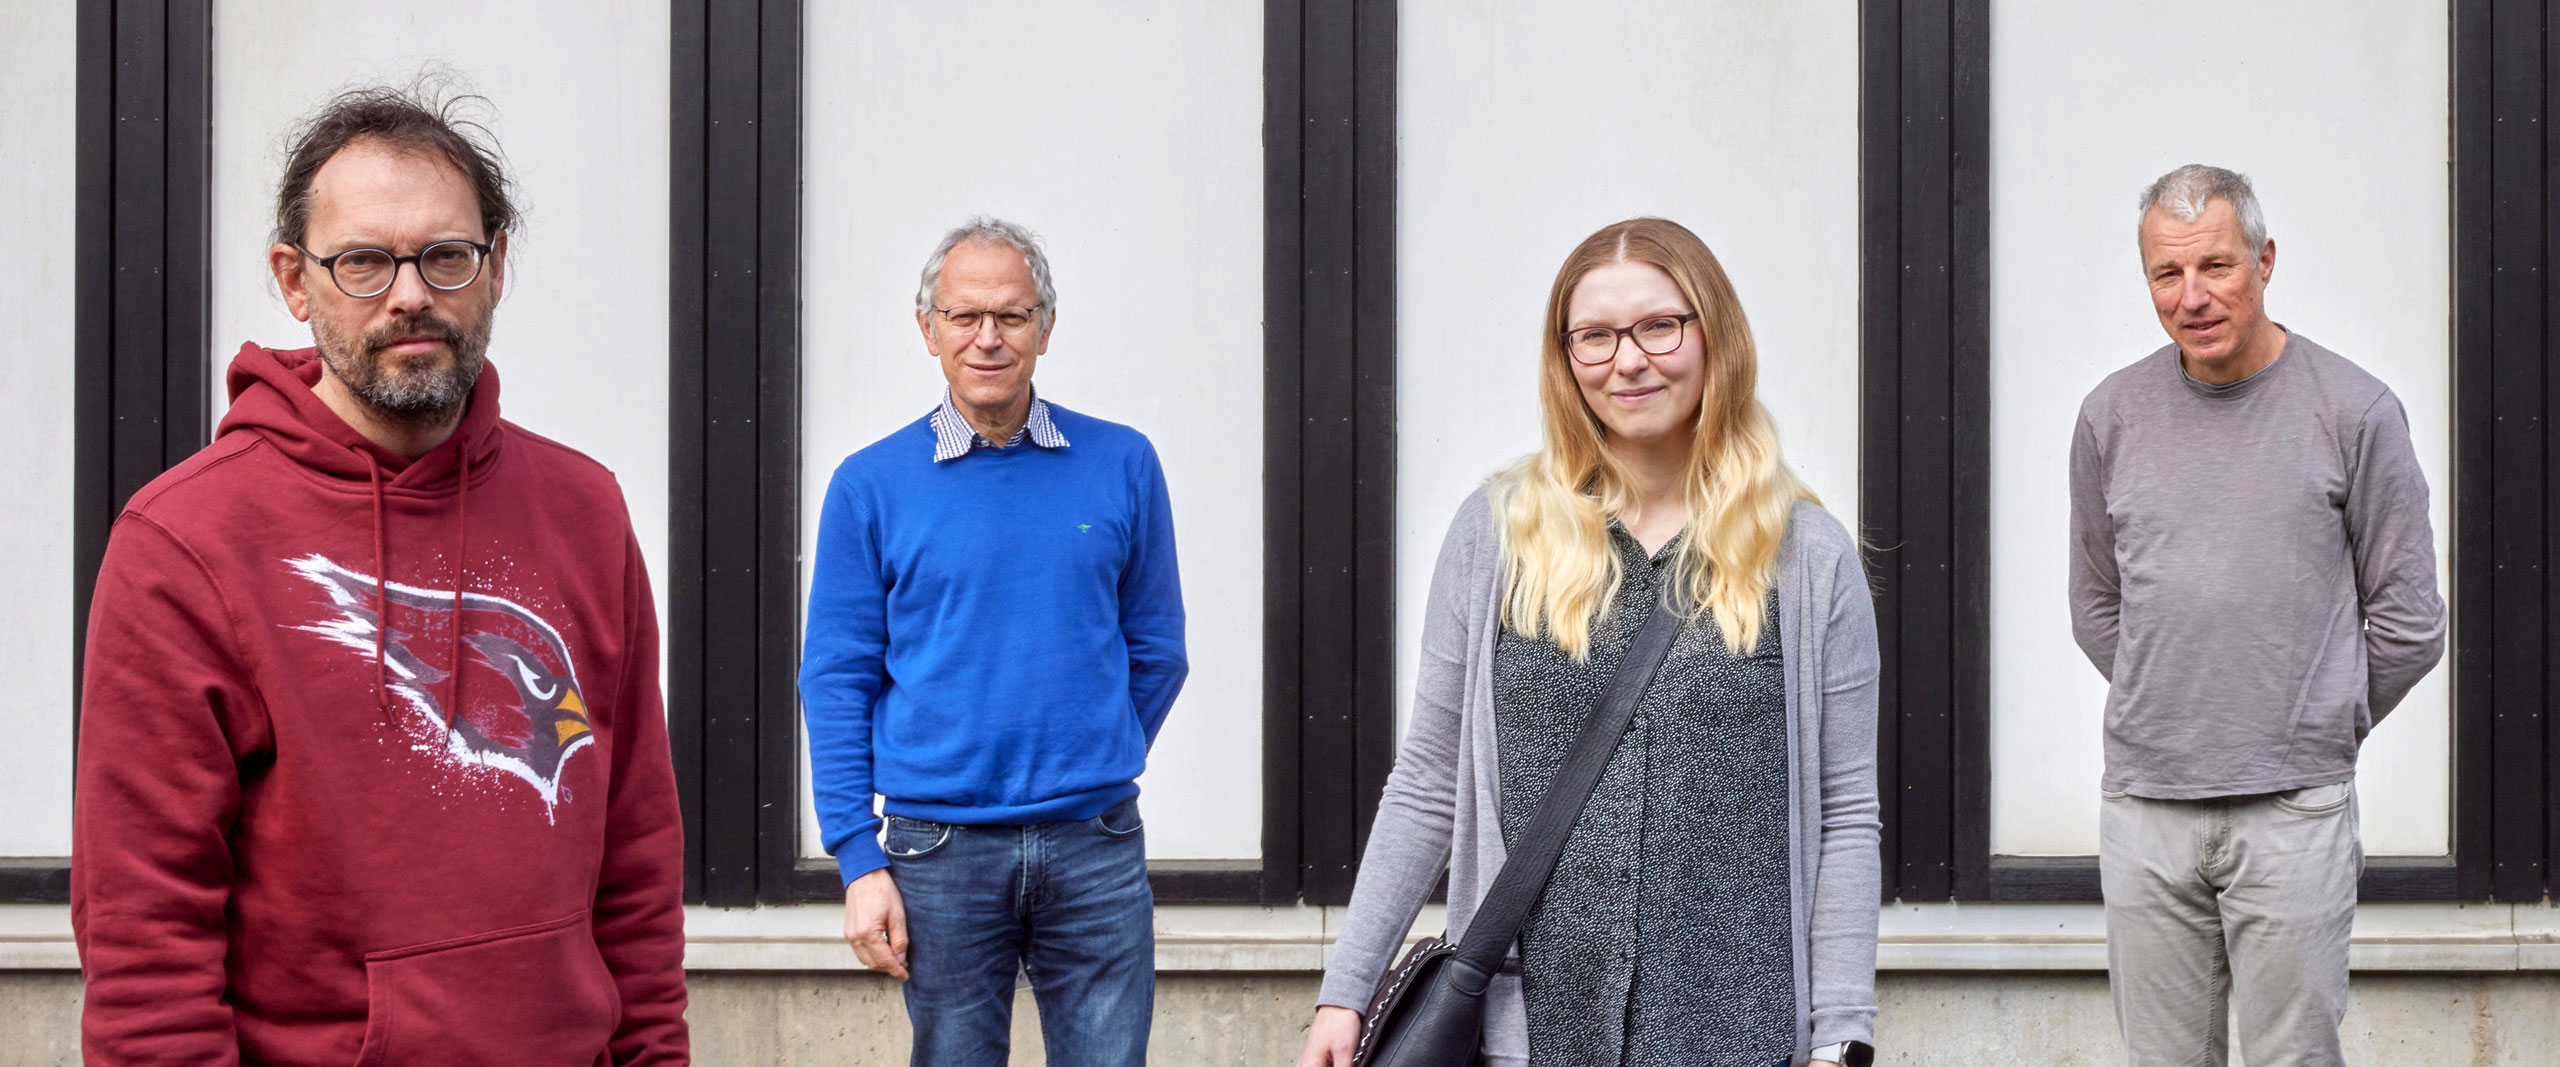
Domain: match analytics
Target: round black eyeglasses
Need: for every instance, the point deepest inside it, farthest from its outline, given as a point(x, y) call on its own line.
point(1655, 336)
point(365, 273)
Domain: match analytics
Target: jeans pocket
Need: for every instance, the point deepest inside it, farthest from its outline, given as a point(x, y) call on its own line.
point(1122, 820)
point(910, 839)
point(2112, 794)
point(2315, 799)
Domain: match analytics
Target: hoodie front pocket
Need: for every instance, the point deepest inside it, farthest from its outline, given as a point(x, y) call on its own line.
point(534, 995)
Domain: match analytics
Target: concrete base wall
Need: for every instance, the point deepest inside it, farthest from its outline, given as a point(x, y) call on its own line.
point(1213, 1020)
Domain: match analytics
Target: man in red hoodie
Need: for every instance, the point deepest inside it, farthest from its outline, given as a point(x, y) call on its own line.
point(372, 764)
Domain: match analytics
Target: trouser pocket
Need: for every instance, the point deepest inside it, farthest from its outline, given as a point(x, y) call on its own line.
point(913, 839)
point(2315, 800)
point(535, 996)
point(1121, 820)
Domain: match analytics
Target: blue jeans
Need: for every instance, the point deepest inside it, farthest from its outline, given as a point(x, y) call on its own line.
point(1067, 902)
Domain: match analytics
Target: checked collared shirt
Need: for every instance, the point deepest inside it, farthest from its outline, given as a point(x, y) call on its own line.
point(953, 437)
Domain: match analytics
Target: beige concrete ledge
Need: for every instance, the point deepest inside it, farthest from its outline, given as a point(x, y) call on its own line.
point(1927, 1019)
point(2445, 938)
point(37, 937)
point(2072, 937)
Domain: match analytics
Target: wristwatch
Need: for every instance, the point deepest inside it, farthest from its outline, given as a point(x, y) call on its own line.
point(1848, 1054)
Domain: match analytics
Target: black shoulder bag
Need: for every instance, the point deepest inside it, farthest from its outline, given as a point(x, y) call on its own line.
point(1429, 1010)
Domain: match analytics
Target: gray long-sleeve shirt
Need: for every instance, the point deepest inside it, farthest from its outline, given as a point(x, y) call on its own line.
point(2251, 569)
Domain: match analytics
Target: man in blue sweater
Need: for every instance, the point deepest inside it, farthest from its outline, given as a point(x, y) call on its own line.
point(995, 636)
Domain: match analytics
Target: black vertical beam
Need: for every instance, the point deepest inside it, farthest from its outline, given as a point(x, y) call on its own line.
point(1880, 380)
point(2546, 270)
point(2504, 225)
point(1283, 435)
point(2475, 573)
point(734, 440)
point(777, 437)
point(1969, 377)
point(688, 213)
point(144, 72)
point(1329, 413)
point(1924, 135)
point(1374, 400)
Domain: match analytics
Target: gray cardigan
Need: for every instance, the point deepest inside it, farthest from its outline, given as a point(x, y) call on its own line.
point(1442, 806)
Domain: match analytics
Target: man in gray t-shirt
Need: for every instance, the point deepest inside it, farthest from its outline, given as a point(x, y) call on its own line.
point(2252, 570)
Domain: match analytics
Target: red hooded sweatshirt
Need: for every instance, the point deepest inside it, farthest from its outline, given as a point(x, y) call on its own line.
point(303, 839)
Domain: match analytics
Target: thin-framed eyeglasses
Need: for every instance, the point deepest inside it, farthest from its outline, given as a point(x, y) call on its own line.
point(1655, 335)
point(1012, 321)
point(365, 273)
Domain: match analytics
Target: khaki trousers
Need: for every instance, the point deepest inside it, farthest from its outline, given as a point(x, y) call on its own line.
point(2230, 904)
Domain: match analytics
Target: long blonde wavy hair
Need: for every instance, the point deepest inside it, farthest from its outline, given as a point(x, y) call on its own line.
point(1553, 506)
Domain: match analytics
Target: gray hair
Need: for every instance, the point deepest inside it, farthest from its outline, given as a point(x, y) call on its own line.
point(2184, 192)
point(992, 230)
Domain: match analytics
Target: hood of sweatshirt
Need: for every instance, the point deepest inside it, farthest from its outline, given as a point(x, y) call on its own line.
point(272, 396)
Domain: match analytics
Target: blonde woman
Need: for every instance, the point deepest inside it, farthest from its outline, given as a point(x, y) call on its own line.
point(1716, 901)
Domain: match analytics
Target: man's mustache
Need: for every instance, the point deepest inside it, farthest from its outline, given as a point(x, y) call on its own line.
point(421, 327)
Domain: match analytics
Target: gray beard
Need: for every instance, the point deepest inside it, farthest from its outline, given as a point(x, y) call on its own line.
point(424, 398)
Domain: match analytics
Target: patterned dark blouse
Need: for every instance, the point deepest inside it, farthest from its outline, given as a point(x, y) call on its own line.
point(1664, 936)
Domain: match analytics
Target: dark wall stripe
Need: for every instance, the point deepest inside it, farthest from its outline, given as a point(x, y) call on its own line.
point(2474, 575)
point(686, 343)
point(1373, 206)
point(1329, 425)
point(2547, 192)
point(1924, 133)
point(776, 427)
point(1880, 381)
point(143, 76)
point(1969, 385)
point(144, 73)
point(734, 444)
point(1283, 436)
point(2506, 230)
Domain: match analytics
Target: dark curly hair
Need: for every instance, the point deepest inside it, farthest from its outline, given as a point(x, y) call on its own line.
point(428, 115)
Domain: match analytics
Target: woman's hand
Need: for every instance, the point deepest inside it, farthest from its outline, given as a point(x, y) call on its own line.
point(1331, 1038)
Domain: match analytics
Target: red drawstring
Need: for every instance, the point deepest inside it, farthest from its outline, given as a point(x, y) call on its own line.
point(461, 543)
point(381, 595)
point(382, 592)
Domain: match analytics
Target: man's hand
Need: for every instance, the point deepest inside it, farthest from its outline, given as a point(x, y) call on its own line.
point(1331, 1038)
point(875, 924)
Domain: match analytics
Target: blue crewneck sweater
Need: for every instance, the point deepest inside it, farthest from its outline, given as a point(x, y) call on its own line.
point(994, 639)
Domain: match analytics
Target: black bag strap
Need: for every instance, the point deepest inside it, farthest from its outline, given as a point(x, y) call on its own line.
point(1524, 872)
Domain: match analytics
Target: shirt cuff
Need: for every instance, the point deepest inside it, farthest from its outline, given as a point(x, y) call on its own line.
point(859, 857)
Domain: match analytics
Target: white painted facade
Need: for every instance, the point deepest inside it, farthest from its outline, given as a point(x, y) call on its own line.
point(1522, 128)
point(37, 108)
point(580, 336)
point(1136, 155)
point(2345, 132)
point(1129, 137)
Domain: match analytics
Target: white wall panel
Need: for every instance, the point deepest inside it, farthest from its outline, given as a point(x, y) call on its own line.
point(579, 89)
point(1129, 137)
point(1523, 128)
point(38, 124)
point(2339, 115)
